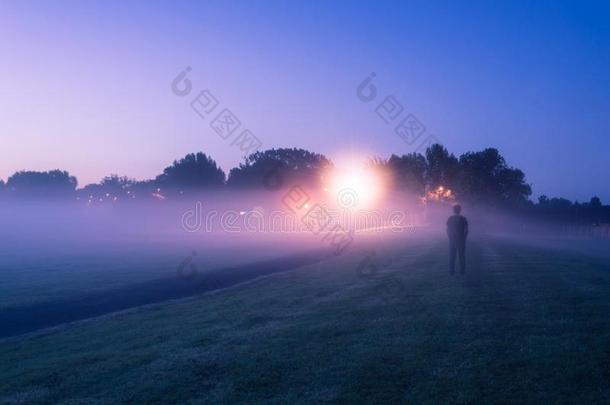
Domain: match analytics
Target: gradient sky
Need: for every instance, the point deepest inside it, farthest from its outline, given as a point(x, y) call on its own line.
point(85, 86)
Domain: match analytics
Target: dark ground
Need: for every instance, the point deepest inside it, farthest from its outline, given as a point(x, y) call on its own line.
point(525, 325)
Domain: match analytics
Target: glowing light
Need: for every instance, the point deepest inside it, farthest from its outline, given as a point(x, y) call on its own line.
point(439, 194)
point(353, 185)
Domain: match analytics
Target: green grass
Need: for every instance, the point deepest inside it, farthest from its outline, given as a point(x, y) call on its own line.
point(524, 325)
point(27, 279)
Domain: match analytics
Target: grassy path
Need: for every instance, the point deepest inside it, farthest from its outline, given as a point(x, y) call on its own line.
point(524, 325)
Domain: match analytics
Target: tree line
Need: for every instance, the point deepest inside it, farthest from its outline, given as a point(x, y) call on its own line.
point(476, 178)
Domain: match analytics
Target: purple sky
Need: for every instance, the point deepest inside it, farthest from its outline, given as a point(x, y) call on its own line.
point(86, 85)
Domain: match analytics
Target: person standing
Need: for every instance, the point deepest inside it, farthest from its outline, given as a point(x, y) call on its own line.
point(457, 231)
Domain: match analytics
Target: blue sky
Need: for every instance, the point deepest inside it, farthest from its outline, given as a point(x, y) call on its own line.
point(86, 85)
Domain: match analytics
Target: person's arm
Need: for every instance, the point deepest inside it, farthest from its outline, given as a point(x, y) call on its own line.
point(465, 227)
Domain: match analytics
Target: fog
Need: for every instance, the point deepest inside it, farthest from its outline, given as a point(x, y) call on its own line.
point(240, 226)
point(68, 260)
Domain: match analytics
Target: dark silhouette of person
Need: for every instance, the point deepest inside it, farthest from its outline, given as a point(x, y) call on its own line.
point(457, 231)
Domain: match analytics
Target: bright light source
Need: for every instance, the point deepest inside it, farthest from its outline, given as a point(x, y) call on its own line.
point(440, 194)
point(354, 185)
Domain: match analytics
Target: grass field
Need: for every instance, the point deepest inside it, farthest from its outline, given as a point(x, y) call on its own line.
point(29, 277)
point(526, 325)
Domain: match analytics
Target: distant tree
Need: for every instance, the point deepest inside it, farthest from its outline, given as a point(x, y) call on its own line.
point(557, 209)
point(277, 167)
point(111, 188)
point(484, 177)
point(513, 187)
point(561, 210)
point(555, 204)
point(51, 184)
point(478, 174)
point(594, 211)
point(194, 171)
point(441, 167)
point(405, 173)
point(595, 202)
point(142, 190)
point(117, 183)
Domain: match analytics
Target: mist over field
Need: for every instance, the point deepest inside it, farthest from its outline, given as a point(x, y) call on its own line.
point(271, 270)
point(113, 284)
point(79, 249)
point(55, 249)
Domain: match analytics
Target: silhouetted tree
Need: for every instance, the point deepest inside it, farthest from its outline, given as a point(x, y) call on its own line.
point(478, 177)
point(111, 188)
point(143, 190)
point(556, 204)
point(441, 167)
point(117, 183)
point(555, 209)
point(484, 177)
point(595, 202)
point(594, 211)
point(194, 171)
point(562, 210)
point(513, 187)
point(277, 167)
point(51, 184)
point(404, 173)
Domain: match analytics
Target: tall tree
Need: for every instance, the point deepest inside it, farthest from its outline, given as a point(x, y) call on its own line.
point(514, 190)
point(484, 177)
point(194, 171)
point(53, 184)
point(275, 168)
point(441, 167)
point(111, 188)
point(404, 173)
point(595, 202)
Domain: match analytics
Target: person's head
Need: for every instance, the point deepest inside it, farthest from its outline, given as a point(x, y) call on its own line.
point(457, 208)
